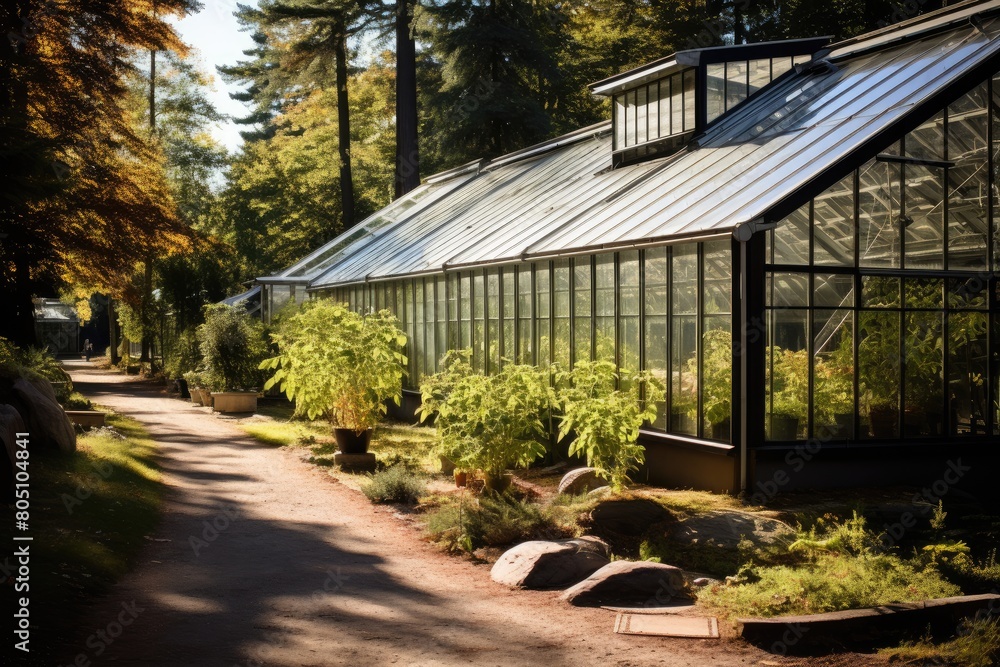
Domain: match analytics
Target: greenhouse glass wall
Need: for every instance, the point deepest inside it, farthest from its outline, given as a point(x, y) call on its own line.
point(800, 239)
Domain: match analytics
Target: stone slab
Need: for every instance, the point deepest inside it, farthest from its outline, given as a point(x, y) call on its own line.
point(695, 627)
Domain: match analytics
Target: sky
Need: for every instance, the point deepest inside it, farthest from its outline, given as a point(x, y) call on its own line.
point(216, 36)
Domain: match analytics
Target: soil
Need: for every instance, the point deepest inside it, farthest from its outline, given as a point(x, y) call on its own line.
point(264, 559)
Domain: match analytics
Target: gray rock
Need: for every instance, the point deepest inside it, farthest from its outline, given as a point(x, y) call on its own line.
point(580, 480)
point(539, 564)
point(725, 529)
point(600, 492)
point(629, 583)
point(628, 517)
point(48, 424)
point(10, 425)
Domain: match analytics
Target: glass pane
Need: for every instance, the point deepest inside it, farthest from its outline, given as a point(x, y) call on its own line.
point(779, 66)
point(542, 310)
point(924, 293)
point(509, 307)
point(879, 211)
point(927, 141)
point(968, 181)
point(736, 83)
point(630, 118)
point(833, 290)
point(967, 374)
point(441, 322)
point(676, 105)
point(879, 373)
point(968, 293)
point(684, 340)
point(717, 356)
point(628, 307)
point(833, 374)
point(493, 326)
point(420, 346)
point(716, 90)
point(524, 294)
point(791, 238)
point(560, 312)
point(641, 115)
point(760, 74)
point(465, 311)
point(662, 125)
point(787, 376)
point(453, 338)
point(924, 391)
point(689, 121)
point(879, 292)
point(619, 122)
point(604, 302)
point(655, 308)
point(582, 304)
point(788, 290)
point(924, 217)
point(833, 224)
point(478, 322)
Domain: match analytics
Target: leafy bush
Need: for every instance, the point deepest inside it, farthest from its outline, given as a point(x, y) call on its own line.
point(184, 355)
point(848, 567)
point(232, 345)
point(606, 420)
point(489, 423)
point(491, 520)
point(831, 583)
point(37, 363)
point(394, 485)
point(338, 364)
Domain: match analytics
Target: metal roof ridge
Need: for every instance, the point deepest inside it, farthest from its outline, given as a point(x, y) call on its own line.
point(909, 29)
point(574, 137)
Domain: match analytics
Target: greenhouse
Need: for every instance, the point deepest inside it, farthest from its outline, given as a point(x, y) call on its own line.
point(799, 238)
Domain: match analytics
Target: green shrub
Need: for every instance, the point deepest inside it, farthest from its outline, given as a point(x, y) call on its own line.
point(973, 577)
point(336, 363)
point(232, 346)
point(832, 583)
point(184, 355)
point(77, 401)
point(851, 537)
point(606, 420)
point(394, 485)
point(489, 422)
point(977, 644)
point(491, 520)
point(37, 363)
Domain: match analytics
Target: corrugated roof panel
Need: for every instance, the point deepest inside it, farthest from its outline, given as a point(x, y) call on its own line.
point(777, 143)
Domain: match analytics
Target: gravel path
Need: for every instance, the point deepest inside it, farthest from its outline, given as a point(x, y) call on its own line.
point(262, 559)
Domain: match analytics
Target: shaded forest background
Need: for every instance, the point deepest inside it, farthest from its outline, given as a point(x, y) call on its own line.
point(113, 184)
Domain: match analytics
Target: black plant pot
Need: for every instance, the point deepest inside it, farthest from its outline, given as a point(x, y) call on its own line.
point(784, 427)
point(350, 441)
point(884, 421)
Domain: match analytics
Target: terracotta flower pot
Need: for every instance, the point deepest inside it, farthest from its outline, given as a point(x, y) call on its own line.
point(461, 478)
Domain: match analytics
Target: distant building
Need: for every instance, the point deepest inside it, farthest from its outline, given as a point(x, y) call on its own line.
point(57, 327)
point(801, 239)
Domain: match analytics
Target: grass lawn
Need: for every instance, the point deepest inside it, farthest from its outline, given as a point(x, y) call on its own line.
point(90, 516)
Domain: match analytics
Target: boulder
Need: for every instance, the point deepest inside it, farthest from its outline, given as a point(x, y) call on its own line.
point(10, 425)
point(629, 583)
point(48, 424)
point(726, 528)
point(580, 481)
point(540, 564)
point(628, 517)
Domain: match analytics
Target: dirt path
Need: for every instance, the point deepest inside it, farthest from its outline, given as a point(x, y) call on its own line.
point(262, 559)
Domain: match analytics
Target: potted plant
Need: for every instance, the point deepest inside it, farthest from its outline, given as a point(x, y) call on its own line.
point(488, 423)
point(194, 383)
point(232, 346)
point(789, 386)
point(341, 365)
point(184, 357)
point(879, 363)
point(606, 420)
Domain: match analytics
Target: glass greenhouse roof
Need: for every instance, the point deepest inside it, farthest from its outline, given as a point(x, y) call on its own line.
point(752, 164)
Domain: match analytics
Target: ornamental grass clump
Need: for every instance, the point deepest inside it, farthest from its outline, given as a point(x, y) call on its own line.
point(606, 420)
point(339, 364)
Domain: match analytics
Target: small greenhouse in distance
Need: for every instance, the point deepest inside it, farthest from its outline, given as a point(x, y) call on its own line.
point(800, 239)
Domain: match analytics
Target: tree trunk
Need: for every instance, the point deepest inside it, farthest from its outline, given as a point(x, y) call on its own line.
point(113, 331)
point(407, 154)
point(147, 276)
point(344, 128)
